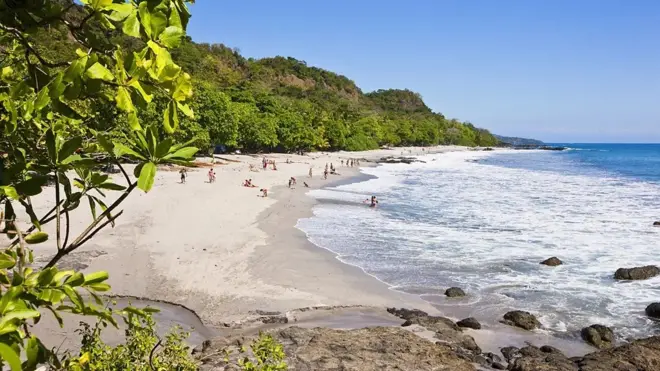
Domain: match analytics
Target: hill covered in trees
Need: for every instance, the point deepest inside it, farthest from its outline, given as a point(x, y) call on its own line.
point(282, 104)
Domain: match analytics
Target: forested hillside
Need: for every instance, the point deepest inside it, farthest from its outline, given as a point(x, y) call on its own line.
point(282, 104)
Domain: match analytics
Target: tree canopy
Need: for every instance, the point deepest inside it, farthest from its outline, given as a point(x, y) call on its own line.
point(282, 104)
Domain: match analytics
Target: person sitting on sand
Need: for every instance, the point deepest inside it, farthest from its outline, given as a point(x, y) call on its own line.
point(293, 180)
point(306, 185)
point(264, 192)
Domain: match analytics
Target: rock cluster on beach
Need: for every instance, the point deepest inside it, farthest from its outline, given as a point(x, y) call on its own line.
point(637, 273)
point(454, 292)
point(657, 224)
point(598, 335)
point(398, 160)
point(522, 319)
point(653, 310)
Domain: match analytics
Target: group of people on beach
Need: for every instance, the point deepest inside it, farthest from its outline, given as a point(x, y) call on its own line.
point(350, 162)
point(183, 173)
point(265, 162)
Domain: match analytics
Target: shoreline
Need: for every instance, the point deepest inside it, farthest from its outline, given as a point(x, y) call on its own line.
point(226, 254)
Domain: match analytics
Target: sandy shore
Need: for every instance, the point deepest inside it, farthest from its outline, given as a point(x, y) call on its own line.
point(222, 250)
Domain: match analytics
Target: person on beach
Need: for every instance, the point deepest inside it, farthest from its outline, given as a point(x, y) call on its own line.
point(211, 175)
point(183, 173)
point(264, 162)
point(293, 181)
point(342, 163)
point(306, 185)
point(325, 174)
point(264, 192)
point(274, 166)
point(310, 171)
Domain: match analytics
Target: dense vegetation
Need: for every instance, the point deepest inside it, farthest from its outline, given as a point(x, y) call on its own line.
point(282, 104)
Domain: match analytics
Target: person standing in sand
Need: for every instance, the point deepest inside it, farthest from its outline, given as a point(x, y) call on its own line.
point(310, 171)
point(183, 173)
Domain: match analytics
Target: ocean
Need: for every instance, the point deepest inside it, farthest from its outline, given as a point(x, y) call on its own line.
point(483, 221)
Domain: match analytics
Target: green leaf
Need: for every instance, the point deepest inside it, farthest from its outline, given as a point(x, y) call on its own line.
point(122, 149)
point(50, 144)
point(145, 18)
point(111, 186)
point(69, 147)
point(186, 110)
point(170, 118)
point(8, 297)
point(124, 101)
point(107, 145)
point(36, 237)
point(10, 192)
point(183, 88)
point(132, 25)
point(31, 187)
point(147, 175)
point(163, 148)
point(42, 99)
point(11, 357)
point(137, 86)
point(171, 37)
point(20, 314)
point(158, 23)
point(96, 277)
point(101, 287)
point(92, 206)
point(133, 121)
point(6, 261)
point(70, 159)
point(182, 153)
point(75, 279)
point(99, 4)
point(99, 72)
point(73, 295)
point(120, 11)
point(32, 351)
point(53, 296)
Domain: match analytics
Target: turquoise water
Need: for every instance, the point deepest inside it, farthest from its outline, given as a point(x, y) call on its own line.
point(484, 220)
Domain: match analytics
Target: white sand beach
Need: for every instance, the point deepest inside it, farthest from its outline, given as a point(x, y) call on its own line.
point(221, 249)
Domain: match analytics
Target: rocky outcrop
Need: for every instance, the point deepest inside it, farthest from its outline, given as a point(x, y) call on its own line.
point(656, 224)
point(637, 273)
point(640, 355)
point(369, 349)
point(398, 160)
point(552, 262)
point(653, 310)
point(598, 335)
point(469, 323)
point(522, 319)
point(454, 292)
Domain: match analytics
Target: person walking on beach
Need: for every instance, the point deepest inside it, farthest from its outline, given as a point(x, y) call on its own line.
point(211, 175)
point(183, 173)
point(325, 174)
point(310, 171)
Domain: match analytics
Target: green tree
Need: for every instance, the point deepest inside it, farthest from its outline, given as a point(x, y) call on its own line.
point(52, 130)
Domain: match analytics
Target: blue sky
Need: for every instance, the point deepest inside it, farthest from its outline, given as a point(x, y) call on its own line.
point(556, 70)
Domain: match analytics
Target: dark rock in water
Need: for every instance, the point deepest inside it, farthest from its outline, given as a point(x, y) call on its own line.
point(543, 362)
point(206, 344)
point(454, 292)
point(553, 262)
point(510, 353)
point(398, 160)
point(522, 319)
point(488, 149)
point(469, 323)
point(531, 351)
point(637, 273)
point(598, 335)
point(657, 224)
point(653, 310)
